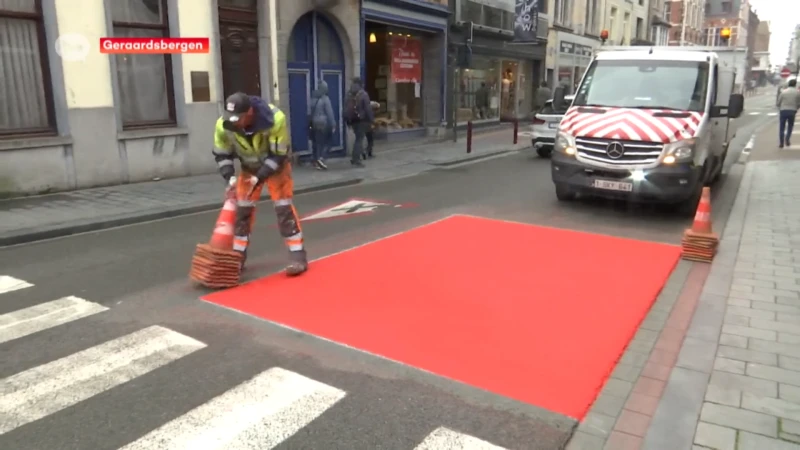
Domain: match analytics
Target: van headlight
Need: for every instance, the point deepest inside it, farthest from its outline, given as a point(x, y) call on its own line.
point(679, 151)
point(565, 143)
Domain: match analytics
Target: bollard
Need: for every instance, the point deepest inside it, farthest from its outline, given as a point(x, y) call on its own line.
point(516, 131)
point(469, 137)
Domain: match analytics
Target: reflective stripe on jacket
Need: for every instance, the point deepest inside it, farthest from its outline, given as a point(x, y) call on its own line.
point(270, 146)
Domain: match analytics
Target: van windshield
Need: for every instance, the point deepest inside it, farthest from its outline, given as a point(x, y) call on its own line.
point(679, 85)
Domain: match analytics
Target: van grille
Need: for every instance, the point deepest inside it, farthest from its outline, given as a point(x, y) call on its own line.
point(635, 153)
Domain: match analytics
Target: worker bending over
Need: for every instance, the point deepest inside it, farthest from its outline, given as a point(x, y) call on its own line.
point(256, 133)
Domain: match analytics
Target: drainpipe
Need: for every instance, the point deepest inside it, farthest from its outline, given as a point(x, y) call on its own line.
point(273, 41)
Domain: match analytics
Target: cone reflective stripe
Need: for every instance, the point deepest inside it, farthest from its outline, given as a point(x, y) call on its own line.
point(699, 243)
point(216, 265)
point(222, 237)
point(702, 218)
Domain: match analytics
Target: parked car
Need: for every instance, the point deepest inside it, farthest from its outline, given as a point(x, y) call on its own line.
point(545, 127)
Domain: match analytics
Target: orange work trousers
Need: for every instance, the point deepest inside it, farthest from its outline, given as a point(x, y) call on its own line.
point(281, 187)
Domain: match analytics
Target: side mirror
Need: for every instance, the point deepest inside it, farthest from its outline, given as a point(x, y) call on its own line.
point(736, 106)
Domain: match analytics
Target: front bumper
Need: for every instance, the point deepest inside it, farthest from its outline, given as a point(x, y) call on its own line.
point(543, 142)
point(663, 184)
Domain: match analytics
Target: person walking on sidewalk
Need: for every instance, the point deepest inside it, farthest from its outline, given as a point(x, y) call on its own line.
point(371, 132)
point(322, 123)
point(358, 115)
point(788, 104)
point(256, 133)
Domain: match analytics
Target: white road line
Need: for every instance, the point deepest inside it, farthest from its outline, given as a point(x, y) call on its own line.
point(49, 388)
point(258, 414)
point(772, 114)
point(447, 439)
point(9, 284)
point(754, 113)
point(37, 318)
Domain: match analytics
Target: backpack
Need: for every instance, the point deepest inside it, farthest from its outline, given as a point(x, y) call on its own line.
point(351, 114)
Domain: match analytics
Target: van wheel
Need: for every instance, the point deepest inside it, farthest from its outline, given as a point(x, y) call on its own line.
point(688, 207)
point(564, 194)
point(544, 152)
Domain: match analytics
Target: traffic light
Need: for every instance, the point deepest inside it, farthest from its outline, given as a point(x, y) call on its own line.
point(725, 35)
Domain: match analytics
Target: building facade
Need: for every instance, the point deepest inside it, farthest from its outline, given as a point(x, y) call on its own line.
point(659, 22)
point(573, 34)
point(686, 19)
point(762, 69)
point(114, 119)
point(732, 14)
point(793, 58)
point(493, 78)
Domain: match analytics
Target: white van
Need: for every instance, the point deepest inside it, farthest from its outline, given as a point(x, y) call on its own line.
point(649, 124)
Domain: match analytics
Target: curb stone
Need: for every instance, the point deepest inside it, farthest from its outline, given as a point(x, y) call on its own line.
point(460, 160)
point(33, 235)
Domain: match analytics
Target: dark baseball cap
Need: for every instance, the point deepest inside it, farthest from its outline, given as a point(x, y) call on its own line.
point(236, 105)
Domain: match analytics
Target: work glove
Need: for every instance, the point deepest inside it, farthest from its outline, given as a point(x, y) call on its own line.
point(227, 172)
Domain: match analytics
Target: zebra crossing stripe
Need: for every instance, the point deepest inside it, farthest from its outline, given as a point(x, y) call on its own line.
point(258, 414)
point(37, 318)
point(49, 388)
point(10, 284)
point(446, 439)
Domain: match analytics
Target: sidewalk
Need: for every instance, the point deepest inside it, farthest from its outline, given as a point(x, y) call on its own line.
point(738, 371)
point(34, 218)
point(715, 364)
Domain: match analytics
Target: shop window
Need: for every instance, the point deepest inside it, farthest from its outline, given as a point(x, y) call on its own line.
point(394, 76)
point(478, 90)
point(508, 89)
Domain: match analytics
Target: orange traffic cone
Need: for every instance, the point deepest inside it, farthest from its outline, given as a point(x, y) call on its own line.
point(216, 265)
point(222, 237)
point(699, 243)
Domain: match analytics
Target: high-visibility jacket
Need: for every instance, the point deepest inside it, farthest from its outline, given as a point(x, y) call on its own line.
point(269, 146)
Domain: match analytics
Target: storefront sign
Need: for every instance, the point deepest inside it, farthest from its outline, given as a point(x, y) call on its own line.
point(527, 17)
point(406, 60)
point(572, 48)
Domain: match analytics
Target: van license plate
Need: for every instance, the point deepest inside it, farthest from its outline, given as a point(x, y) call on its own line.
point(553, 125)
point(613, 185)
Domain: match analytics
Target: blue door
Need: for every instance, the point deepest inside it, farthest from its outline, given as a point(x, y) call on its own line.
point(315, 52)
point(299, 93)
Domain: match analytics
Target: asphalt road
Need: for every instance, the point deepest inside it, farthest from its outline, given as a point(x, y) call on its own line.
point(114, 395)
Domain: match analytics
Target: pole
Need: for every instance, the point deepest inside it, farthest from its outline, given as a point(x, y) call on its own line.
point(683, 22)
point(469, 136)
point(516, 131)
point(273, 41)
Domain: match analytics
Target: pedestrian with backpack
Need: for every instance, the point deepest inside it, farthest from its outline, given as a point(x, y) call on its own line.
point(358, 115)
point(322, 124)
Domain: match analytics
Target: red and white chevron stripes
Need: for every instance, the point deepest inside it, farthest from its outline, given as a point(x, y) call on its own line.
point(630, 124)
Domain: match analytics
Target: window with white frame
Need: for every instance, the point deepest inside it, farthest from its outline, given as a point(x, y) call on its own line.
point(562, 13)
point(612, 18)
point(592, 17)
point(668, 10)
point(626, 32)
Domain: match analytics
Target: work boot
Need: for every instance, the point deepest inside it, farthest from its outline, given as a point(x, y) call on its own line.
point(297, 264)
point(243, 260)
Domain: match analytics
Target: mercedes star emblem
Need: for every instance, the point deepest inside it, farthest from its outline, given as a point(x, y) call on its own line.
point(615, 150)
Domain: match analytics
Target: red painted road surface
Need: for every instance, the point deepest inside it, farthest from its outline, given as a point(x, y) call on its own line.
point(536, 314)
